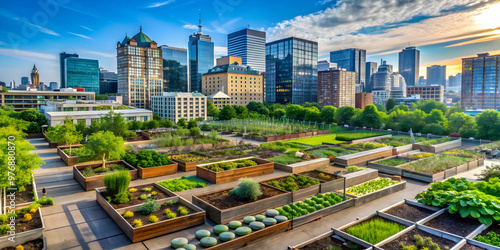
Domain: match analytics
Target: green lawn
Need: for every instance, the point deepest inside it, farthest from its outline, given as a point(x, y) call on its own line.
point(317, 140)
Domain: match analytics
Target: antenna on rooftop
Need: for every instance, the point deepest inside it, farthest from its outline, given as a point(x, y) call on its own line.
point(199, 21)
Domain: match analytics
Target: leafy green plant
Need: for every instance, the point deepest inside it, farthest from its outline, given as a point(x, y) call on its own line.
point(354, 168)
point(182, 211)
point(490, 238)
point(422, 244)
point(122, 197)
point(183, 183)
point(223, 166)
point(147, 159)
point(293, 183)
point(313, 204)
point(88, 172)
point(370, 186)
point(247, 189)
point(375, 230)
point(149, 206)
point(117, 183)
point(392, 162)
point(4, 229)
point(489, 172)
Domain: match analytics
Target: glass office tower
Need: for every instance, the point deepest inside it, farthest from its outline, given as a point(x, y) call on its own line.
point(292, 71)
point(436, 75)
point(250, 45)
point(371, 68)
point(352, 60)
point(62, 70)
point(201, 58)
point(175, 69)
point(82, 73)
point(409, 65)
point(480, 78)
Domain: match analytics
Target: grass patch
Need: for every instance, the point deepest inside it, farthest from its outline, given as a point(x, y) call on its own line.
point(436, 163)
point(392, 162)
point(333, 151)
point(318, 140)
point(285, 159)
point(283, 146)
point(399, 140)
point(375, 230)
point(437, 141)
point(464, 153)
point(356, 135)
point(183, 183)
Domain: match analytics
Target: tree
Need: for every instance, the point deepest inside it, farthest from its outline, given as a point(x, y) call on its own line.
point(114, 122)
point(436, 116)
point(278, 113)
point(311, 114)
point(311, 104)
point(70, 134)
point(181, 123)
point(370, 117)
point(454, 109)
point(459, 120)
point(428, 105)
point(381, 107)
point(81, 126)
point(55, 133)
point(212, 110)
point(398, 107)
point(4, 90)
point(195, 131)
point(241, 111)
point(105, 144)
point(391, 121)
point(327, 114)
point(468, 130)
point(488, 125)
point(258, 107)
point(227, 113)
point(434, 128)
point(413, 120)
point(101, 97)
point(391, 103)
point(153, 124)
point(344, 114)
point(7, 108)
point(192, 124)
point(134, 125)
point(295, 112)
point(156, 117)
point(167, 123)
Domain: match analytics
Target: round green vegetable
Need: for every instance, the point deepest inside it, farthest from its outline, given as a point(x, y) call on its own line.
point(202, 234)
point(220, 229)
point(226, 236)
point(280, 218)
point(243, 231)
point(272, 213)
point(260, 217)
point(234, 224)
point(178, 242)
point(249, 219)
point(189, 247)
point(269, 221)
point(257, 225)
point(208, 242)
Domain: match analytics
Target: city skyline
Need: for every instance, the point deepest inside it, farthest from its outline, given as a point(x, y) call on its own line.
point(444, 31)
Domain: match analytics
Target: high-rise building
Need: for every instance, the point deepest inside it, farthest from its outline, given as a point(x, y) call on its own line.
point(337, 87)
point(201, 58)
point(241, 83)
point(53, 86)
point(422, 81)
point(427, 92)
point(176, 105)
point(436, 75)
point(25, 80)
point(371, 68)
point(292, 71)
point(140, 70)
point(409, 65)
point(62, 69)
point(456, 80)
point(108, 82)
point(480, 78)
point(387, 84)
point(352, 60)
point(35, 77)
point(82, 73)
point(325, 65)
point(175, 69)
point(250, 45)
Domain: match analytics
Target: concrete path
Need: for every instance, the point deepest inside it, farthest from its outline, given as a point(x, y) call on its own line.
point(78, 222)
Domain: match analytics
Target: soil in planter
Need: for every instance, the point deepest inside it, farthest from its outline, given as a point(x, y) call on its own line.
point(135, 196)
point(118, 167)
point(35, 223)
point(408, 239)
point(25, 196)
point(330, 243)
point(471, 247)
point(454, 223)
point(324, 177)
point(493, 228)
point(160, 214)
point(30, 245)
point(409, 212)
point(223, 200)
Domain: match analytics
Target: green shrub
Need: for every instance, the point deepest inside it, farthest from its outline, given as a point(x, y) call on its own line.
point(45, 201)
point(3, 218)
point(147, 159)
point(375, 230)
point(247, 189)
point(129, 134)
point(117, 183)
point(437, 141)
point(88, 172)
point(123, 197)
point(490, 238)
point(293, 183)
point(223, 166)
point(490, 172)
point(149, 206)
point(353, 168)
point(4, 229)
point(100, 170)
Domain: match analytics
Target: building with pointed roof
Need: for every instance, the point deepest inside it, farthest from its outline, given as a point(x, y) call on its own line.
point(140, 71)
point(219, 99)
point(35, 77)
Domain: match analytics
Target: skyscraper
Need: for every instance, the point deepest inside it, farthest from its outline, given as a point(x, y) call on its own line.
point(25, 80)
point(436, 75)
point(175, 69)
point(480, 82)
point(108, 82)
point(371, 68)
point(409, 65)
point(140, 71)
point(337, 87)
point(35, 77)
point(201, 58)
point(292, 71)
point(325, 65)
point(62, 70)
point(352, 60)
point(456, 80)
point(250, 45)
point(53, 85)
point(82, 73)
point(386, 84)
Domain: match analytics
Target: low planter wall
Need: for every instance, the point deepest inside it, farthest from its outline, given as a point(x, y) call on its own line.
point(402, 149)
point(441, 175)
point(154, 229)
point(412, 203)
point(236, 213)
point(379, 193)
point(186, 166)
point(437, 148)
point(94, 182)
point(359, 177)
point(69, 160)
point(23, 237)
point(362, 157)
point(156, 171)
point(34, 135)
point(304, 166)
point(369, 139)
point(429, 230)
point(333, 185)
point(264, 167)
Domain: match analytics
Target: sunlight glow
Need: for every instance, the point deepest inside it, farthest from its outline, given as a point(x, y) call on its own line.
point(489, 16)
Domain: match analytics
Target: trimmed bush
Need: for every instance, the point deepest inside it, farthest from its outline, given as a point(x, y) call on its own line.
point(257, 225)
point(220, 229)
point(178, 242)
point(247, 189)
point(226, 236)
point(202, 233)
point(234, 224)
point(117, 183)
point(208, 242)
point(147, 159)
point(243, 231)
point(249, 219)
point(269, 221)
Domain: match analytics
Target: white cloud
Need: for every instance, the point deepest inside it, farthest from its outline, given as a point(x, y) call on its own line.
point(87, 28)
point(220, 51)
point(26, 55)
point(80, 35)
point(190, 26)
point(159, 4)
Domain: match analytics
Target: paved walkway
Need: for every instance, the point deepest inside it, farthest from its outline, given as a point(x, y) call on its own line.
point(78, 222)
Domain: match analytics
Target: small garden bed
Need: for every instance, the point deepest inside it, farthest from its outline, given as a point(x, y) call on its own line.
point(436, 141)
point(28, 224)
point(139, 195)
point(189, 161)
point(87, 177)
point(489, 236)
point(374, 189)
point(356, 135)
point(394, 161)
point(437, 167)
point(465, 153)
point(329, 182)
point(374, 230)
point(23, 198)
point(329, 242)
point(30, 245)
point(400, 140)
point(149, 164)
point(418, 239)
point(410, 212)
point(300, 186)
point(233, 170)
point(454, 224)
point(183, 183)
point(438, 145)
point(366, 151)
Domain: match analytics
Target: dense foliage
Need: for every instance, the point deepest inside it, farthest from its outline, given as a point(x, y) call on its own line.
point(375, 230)
point(147, 159)
point(436, 141)
point(293, 183)
point(317, 202)
point(184, 183)
point(436, 163)
point(392, 162)
point(105, 145)
point(400, 140)
point(223, 166)
point(490, 238)
point(370, 186)
point(189, 157)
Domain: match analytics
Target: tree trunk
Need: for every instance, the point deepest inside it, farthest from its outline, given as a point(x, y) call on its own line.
point(104, 160)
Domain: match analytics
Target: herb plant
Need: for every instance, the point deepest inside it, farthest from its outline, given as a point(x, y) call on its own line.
point(490, 238)
point(293, 183)
point(247, 189)
point(375, 230)
point(223, 166)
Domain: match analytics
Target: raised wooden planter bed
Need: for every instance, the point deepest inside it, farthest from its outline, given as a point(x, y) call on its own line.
point(187, 149)
point(443, 174)
point(93, 182)
point(379, 193)
point(236, 213)
point(154, 229)
point(186, 166)
point(434, 232)
point(318, 214)
point(264, 167)
point(69, 160)
point(437, 148)
point(301, 193)
point(303, 166)
point(23, 237)
point(358, 177)
point(361, 158)
point(156, 171)
point(394, 170)
point(326, 186)
point(369, 139)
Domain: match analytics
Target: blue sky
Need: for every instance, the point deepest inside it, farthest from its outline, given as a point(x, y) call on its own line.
point(444, 30)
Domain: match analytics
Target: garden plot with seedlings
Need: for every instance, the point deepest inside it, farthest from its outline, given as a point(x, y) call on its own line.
point(249, 197)
point(398, 141)
point(183, 183)
point(149, 164)
point(419, 237)
point(329, 182)
point(358, 153)
point(438, 145)
point(300, 186)
point(138, 195)
point(28, 224)
point(410, 210)
point(232, 170)
point(374, 189)
point(91, 176)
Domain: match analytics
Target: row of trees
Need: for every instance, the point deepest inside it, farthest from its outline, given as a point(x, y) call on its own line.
point(33, 118)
